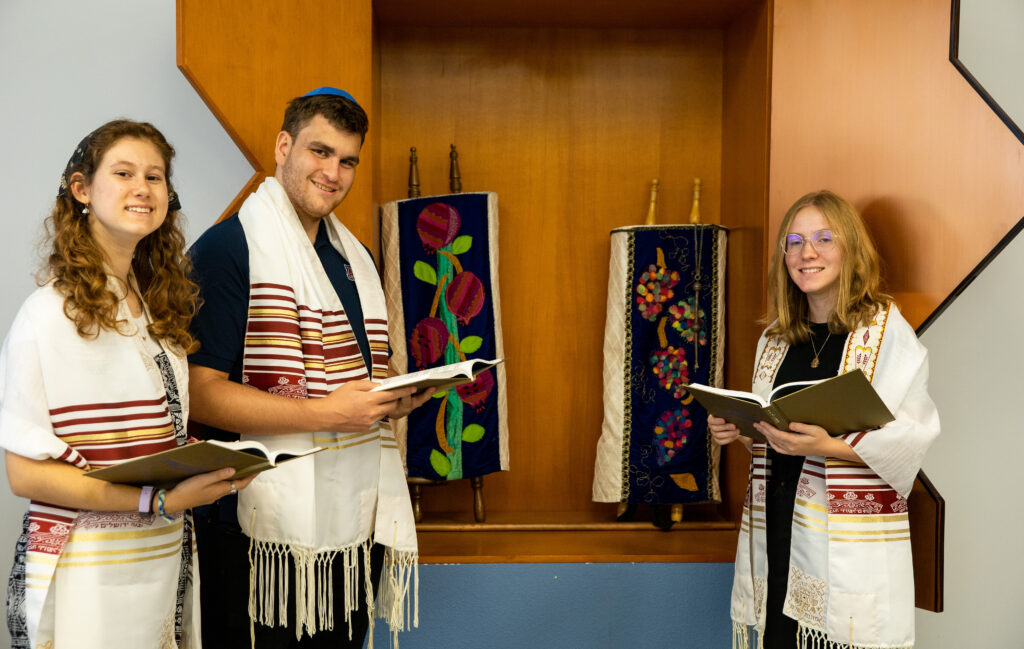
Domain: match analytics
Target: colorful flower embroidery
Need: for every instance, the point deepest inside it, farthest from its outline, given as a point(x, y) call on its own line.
point(653, 289)
point(672, 370)
point(688, 320)
point(670, 434)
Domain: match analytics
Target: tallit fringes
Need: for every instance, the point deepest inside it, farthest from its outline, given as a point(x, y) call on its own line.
point(329, 586)
point(817, 639)
point(740, 636)
point(401, 569)
point(323, 587)
point(416, 595)
point(314, 587)
point(368, 590)
point(305, 591)
point(252, 596)
point(268, 583)
point(284, 569)
point(349, 557)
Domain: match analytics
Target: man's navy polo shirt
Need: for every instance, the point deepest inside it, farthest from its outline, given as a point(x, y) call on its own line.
point(220, 259)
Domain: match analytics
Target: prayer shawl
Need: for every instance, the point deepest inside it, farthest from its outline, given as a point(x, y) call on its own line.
point(89, 579)
point(299, 343)
point(441, 284)
point(664, 329)
point(851, 580)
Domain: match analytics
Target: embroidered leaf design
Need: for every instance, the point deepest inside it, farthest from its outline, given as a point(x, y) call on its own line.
point(473, 433)
point(440, 463)
point(470, 344)
point(683, 481)
point(462, 244)
point(424, 272)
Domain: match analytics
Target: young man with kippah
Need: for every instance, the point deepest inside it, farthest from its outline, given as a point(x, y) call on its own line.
point(293, 328)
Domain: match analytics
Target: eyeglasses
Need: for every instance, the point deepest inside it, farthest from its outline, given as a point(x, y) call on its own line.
point(822, 241)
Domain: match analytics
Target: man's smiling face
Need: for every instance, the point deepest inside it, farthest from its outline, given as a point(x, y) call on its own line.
point(317, 167)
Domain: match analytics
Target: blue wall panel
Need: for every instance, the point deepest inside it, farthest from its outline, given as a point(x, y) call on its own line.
point(592, 606)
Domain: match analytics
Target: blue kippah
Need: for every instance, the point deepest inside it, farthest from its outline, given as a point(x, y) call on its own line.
point(328, 90)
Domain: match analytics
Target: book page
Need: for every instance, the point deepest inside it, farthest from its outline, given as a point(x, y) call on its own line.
point(252, 447)
point(445, 376)
point(735, 394)
point(789, 388)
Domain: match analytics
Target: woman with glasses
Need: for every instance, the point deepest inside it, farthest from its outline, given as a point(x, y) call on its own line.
point(823, 557)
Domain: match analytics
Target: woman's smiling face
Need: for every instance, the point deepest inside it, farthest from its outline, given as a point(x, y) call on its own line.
point(128, 195)
point(814, 272)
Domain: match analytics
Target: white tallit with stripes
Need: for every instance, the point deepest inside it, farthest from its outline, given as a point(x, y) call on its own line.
point(851, 580)
point(299, 343)
point(90, 579)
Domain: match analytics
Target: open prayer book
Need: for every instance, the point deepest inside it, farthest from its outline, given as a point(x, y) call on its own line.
point(842, 404)
point(167, 468)
point(439, 378)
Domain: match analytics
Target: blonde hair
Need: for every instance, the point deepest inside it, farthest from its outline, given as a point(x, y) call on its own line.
point(76, 264)
point(860, 294)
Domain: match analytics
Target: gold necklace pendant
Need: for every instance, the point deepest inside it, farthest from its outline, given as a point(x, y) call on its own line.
point(817, 352)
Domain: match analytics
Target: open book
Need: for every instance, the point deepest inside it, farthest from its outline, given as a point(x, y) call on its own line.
point(842, 404)
point(167, 468)
point(439, 378)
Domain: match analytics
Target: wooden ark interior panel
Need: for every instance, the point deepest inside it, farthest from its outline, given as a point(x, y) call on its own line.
point(567, 116)
point(568, 127)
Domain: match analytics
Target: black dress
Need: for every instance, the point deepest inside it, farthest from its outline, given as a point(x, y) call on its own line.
point(783, 474)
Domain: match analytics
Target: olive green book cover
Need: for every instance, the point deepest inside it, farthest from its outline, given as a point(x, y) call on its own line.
point(167, 468)
point(842, 404)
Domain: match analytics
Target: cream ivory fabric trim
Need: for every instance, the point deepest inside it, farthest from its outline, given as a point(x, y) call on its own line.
point(609, 469)
point(299, 343)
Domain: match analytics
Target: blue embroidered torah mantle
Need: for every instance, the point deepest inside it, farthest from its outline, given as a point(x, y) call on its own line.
point(440, 257)
point(663, 331)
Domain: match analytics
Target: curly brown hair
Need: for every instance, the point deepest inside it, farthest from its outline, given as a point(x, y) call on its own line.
point(860, 278)
point(76, 263)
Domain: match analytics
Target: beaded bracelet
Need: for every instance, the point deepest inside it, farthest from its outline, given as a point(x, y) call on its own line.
point(161, 497)
point(146, 500)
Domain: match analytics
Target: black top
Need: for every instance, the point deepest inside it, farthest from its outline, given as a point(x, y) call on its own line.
point(785, 469)
point(783, 476)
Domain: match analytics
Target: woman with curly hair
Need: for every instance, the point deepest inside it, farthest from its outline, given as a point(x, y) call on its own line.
point(93, 373)
point(823, 558)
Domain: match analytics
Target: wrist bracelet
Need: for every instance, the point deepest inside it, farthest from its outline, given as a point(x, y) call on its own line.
point(161, 497)
point(146, 500)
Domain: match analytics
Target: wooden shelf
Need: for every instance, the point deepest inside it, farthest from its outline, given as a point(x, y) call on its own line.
point(573, 537)
point(695, 517)
point(526, 537)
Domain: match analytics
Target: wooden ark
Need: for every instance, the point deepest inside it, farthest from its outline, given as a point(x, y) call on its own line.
point(567, 110)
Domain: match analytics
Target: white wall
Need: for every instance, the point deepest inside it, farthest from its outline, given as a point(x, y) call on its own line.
point(65, 68)
point(991, 46)
point(976, 382)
